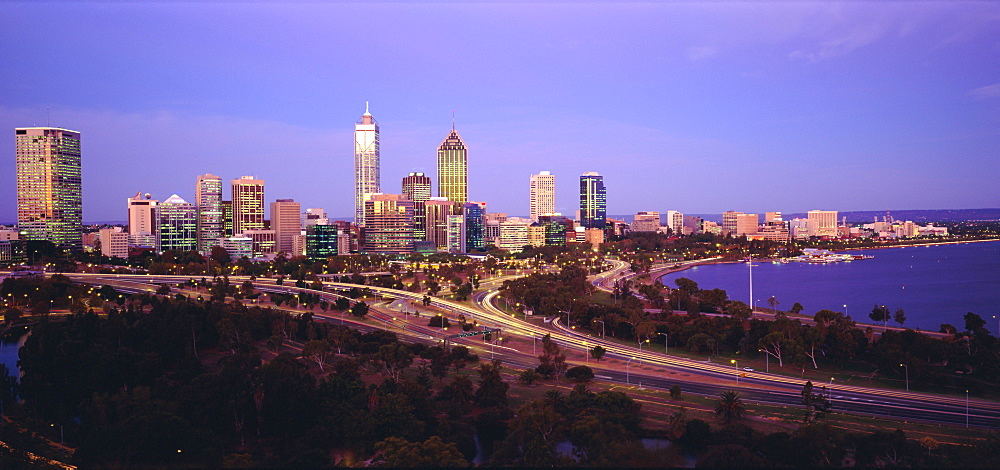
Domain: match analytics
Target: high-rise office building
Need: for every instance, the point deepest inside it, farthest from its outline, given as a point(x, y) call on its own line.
point(141, 214)
point(286, 223)
point(593, 201)
point(542, 194)
point(248, 204)
point(675, 220)
point(227, 218)
point(453, 170)
point(826, 222)
point(208, 198)
point(388, 224)
point(49, 193)
point(366, 163)
point(177, 225)
point(645, 221)
point(437, 210)
point(475, 224)
point(321, 242)
point(417, 188)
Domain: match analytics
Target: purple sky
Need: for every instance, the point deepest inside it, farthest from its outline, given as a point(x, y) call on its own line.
point(684, 106)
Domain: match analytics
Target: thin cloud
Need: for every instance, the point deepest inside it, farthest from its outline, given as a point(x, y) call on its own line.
point(701, 52)
point(985, 92)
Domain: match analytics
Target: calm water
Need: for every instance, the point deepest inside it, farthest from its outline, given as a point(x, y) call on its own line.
point(933, 284)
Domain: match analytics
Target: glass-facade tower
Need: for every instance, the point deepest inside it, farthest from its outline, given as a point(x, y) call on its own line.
point(177, 225)
point(366, 163)
point(49, 193)
point(417, 188)
point(208, 198)
point(593, 201)
point(453, 170)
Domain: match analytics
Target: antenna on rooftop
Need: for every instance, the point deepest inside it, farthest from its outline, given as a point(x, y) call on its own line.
point(453, 120)
point(48, 122)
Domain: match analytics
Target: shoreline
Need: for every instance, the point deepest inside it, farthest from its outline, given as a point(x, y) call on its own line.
point(655, 274)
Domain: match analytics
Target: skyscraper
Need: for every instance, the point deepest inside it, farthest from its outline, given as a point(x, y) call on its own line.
point(248, 204)
point(366, 163)
point(542, 196)
point(453, 170)
point(286, 223)
point(593, 201)
point(142, 214)
point(208, 198)
point(177, 225)
point(49, 193)
point(388, 224)
point(417, 188)
point(475, 223)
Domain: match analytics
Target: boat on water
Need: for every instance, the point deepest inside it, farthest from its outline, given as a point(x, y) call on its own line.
point(817, 255)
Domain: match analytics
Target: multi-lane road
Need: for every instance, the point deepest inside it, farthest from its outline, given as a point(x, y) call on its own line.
point(658, 370)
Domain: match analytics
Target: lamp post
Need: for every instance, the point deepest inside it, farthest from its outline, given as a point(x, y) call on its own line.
point(736, 366)
point(602, 327)
point(666, 340)
point(845, 310)
point(767, 361)
point(626, 370)
point(640, 347)
point(907, 376)
point(966, 408)
point(61, 439)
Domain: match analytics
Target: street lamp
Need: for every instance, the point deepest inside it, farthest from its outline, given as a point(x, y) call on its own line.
point(626, 370)
point(736, 366)
point(767, 361)
point(602, 327)
point(666, 340)
point(61, 440)
point(907, 376)
point(966, 408)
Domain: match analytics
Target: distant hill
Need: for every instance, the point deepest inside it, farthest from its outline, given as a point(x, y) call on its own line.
point(923, 216)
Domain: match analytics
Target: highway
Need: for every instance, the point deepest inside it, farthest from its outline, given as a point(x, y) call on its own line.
point(659, 370)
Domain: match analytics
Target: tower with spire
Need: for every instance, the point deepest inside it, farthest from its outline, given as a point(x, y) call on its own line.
point(366, 163)
point(453, 169)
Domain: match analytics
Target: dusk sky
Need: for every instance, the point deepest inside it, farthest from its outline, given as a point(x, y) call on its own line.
point(693, 107)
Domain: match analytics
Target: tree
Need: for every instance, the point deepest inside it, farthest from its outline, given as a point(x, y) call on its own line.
point(773, 302)
point(12, 314)
point(879, 314)
point(797, 308)
point(220, 256)
point(528, 377)
point(318, 351)
point(580, 374)
point(730, 407)
point(773, 344)
point(359, 309)
point(395, 452)
point(492, 391)
point(598, 352)
point(393, 358)
point(899, 316)
point(675, 392)
point(814, 402)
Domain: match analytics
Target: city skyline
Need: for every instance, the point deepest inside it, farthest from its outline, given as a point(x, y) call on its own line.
point(786, 107)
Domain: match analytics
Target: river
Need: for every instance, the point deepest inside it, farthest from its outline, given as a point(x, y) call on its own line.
point(932, 284)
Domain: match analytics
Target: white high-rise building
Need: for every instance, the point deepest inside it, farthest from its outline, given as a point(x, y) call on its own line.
point(366, 163)
point(542, 194)
point(826, 222)
point(141, 218)
point(675, 220)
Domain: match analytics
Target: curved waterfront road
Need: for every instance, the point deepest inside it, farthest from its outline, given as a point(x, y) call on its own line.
point(659, 370)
